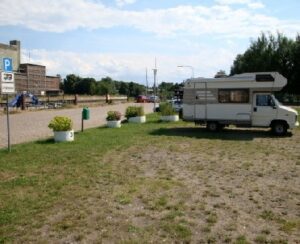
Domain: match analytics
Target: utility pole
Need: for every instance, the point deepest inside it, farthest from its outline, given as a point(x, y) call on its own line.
point(146, 82)
point(155, 73)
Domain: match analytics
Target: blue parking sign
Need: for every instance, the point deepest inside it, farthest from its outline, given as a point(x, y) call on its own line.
point(7, 65)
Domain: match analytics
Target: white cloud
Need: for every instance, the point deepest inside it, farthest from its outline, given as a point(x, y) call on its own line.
point(121, 3)
point(230, 2)
point(250, 3)
point(67, 15)
point(131, 67)
point(256, 5)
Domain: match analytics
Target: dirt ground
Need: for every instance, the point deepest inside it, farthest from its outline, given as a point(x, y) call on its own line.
point(241, 188)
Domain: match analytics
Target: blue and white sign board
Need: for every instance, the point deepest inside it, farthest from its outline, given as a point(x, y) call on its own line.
point(7, 64)
point(7, 83)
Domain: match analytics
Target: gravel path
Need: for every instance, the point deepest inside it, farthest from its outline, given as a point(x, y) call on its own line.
point(33, 125)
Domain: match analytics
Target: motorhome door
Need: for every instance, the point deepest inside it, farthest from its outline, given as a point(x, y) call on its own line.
point(263, 109)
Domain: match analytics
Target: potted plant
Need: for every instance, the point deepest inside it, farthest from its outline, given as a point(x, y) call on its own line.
point(113, 119)
point(62, 128)
point(135, 114)
point(167, 112)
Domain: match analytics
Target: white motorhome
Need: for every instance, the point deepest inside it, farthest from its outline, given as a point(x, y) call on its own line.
point(243, 100)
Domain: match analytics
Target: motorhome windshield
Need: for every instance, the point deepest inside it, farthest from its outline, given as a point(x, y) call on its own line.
point(277, 103)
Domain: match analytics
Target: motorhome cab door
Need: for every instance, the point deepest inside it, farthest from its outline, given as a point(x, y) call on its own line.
point(263, 109)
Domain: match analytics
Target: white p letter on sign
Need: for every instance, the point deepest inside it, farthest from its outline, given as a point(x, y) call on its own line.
point(7, 64)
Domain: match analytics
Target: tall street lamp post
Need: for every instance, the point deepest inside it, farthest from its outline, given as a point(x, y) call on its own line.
point(187, 66)
point(155, 73)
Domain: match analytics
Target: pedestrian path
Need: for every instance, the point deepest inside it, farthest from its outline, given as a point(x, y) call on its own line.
point(33, 125)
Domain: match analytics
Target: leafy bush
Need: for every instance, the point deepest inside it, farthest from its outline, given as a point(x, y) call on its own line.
point(133, 111)
point(166, 109)
point(113, 115)
point(61, 123)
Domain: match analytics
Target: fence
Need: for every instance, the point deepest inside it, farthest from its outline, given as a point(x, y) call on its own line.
point(59, 101)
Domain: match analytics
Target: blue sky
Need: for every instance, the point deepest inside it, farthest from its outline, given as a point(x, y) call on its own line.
point(121, 38)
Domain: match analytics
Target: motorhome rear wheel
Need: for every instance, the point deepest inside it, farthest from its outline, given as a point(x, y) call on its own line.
point(212, 126)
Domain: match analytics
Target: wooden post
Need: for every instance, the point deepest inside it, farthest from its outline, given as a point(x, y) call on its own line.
point(8, 125)
point(76, 99)
point(107, 98)
point(23, 101)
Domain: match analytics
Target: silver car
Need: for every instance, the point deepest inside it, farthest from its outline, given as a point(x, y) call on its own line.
point(177, 105)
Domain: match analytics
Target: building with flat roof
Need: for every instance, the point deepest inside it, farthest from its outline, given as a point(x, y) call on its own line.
point(33, 79)
point(30, 78)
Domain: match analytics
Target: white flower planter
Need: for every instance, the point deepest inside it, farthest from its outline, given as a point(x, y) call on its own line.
point(61, 136)
point(114, 124)
point(138, 119)
point(171, 118)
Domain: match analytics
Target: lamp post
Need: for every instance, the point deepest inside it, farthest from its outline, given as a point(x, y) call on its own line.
point(146, 82)
point(155, 73)
point(187, 66)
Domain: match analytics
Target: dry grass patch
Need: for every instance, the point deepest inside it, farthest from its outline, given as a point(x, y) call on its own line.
point(194, 196)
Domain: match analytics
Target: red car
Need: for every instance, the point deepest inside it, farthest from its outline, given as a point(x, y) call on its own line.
point(141, 99)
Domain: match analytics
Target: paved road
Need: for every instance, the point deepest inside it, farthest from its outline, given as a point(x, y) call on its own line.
point(33, 125)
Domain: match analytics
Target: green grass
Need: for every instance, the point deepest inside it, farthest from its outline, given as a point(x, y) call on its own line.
point(34, 176)
point(241, 240)
point(144, 183)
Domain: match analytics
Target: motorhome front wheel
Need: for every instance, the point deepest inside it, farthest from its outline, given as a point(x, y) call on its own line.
point(279, 128)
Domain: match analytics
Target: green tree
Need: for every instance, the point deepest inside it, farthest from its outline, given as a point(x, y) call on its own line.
point(135, 89)
point(70, 83)
point(106, 86)
point(295, 74)
point(166, 90)
point(123, 88)
point(86, 86)
point(75, 84)
point(220, 74)
point(272, 53)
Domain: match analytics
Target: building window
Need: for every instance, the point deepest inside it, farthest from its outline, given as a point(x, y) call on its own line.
point(234, 96)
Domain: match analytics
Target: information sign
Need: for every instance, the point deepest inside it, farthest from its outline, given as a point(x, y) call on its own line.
point(7, 83)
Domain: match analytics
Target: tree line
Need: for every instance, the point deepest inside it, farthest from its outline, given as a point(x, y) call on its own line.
point(272, 53)
point(74, 84)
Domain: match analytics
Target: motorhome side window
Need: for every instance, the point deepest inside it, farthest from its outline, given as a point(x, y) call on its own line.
point(264, 100)
point(264, 78)
point(233, 96)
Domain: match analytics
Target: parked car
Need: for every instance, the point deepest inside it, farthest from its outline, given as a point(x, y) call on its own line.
point(177, 105)
point(153, 99)
point(141, 99)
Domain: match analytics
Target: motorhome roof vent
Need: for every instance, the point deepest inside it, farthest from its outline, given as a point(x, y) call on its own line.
point(264, 78)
